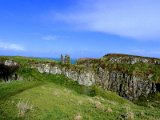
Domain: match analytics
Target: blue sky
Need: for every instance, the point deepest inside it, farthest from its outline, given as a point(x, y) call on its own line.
point(81, 28)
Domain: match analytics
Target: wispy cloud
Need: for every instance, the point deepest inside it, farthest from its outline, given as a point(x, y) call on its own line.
point(11, 46)
point(50, 37)
point(137, 19)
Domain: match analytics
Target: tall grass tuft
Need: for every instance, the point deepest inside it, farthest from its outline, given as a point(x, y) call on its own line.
point(23, 106)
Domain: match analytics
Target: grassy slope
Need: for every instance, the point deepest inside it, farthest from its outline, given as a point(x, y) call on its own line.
point(55, 97)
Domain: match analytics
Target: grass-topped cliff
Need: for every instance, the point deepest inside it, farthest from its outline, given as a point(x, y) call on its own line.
point(130, 64)
point(55, 97)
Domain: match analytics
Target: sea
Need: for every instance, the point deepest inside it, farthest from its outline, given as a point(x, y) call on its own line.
point(73, 61)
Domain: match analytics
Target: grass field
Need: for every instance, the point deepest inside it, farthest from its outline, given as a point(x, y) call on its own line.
point(54, 97)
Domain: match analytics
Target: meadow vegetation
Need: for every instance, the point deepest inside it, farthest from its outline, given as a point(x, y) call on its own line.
point(38, 96)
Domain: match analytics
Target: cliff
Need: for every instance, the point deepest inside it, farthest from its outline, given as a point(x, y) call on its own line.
point(127, 75)
point(43, 92)
point(82, 75)
point(130, 59)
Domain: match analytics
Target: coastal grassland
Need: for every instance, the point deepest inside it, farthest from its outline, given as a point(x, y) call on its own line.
point(48, 99)
point(38, 96)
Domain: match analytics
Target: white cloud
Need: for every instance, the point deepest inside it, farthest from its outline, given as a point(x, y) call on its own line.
point(11, 46)
point(137, 19)
point(49, 37)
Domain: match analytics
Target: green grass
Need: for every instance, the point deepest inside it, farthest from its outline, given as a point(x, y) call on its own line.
point(55, 97)
point(55, 100)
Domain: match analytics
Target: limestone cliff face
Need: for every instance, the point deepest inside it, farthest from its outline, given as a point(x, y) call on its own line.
point(128, 76)
point(83, 77)
point(128, 86)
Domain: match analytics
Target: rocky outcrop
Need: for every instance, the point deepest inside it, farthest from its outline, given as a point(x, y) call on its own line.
point(128, 76)
point(83, 76)
point(129, 59)
point(128, 86)
point(10, 63)
point(8, 69)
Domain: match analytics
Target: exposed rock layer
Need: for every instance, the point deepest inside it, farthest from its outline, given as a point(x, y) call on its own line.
point(128, 86)
point(100, 72)
point(8, 69)
point(83, 77)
